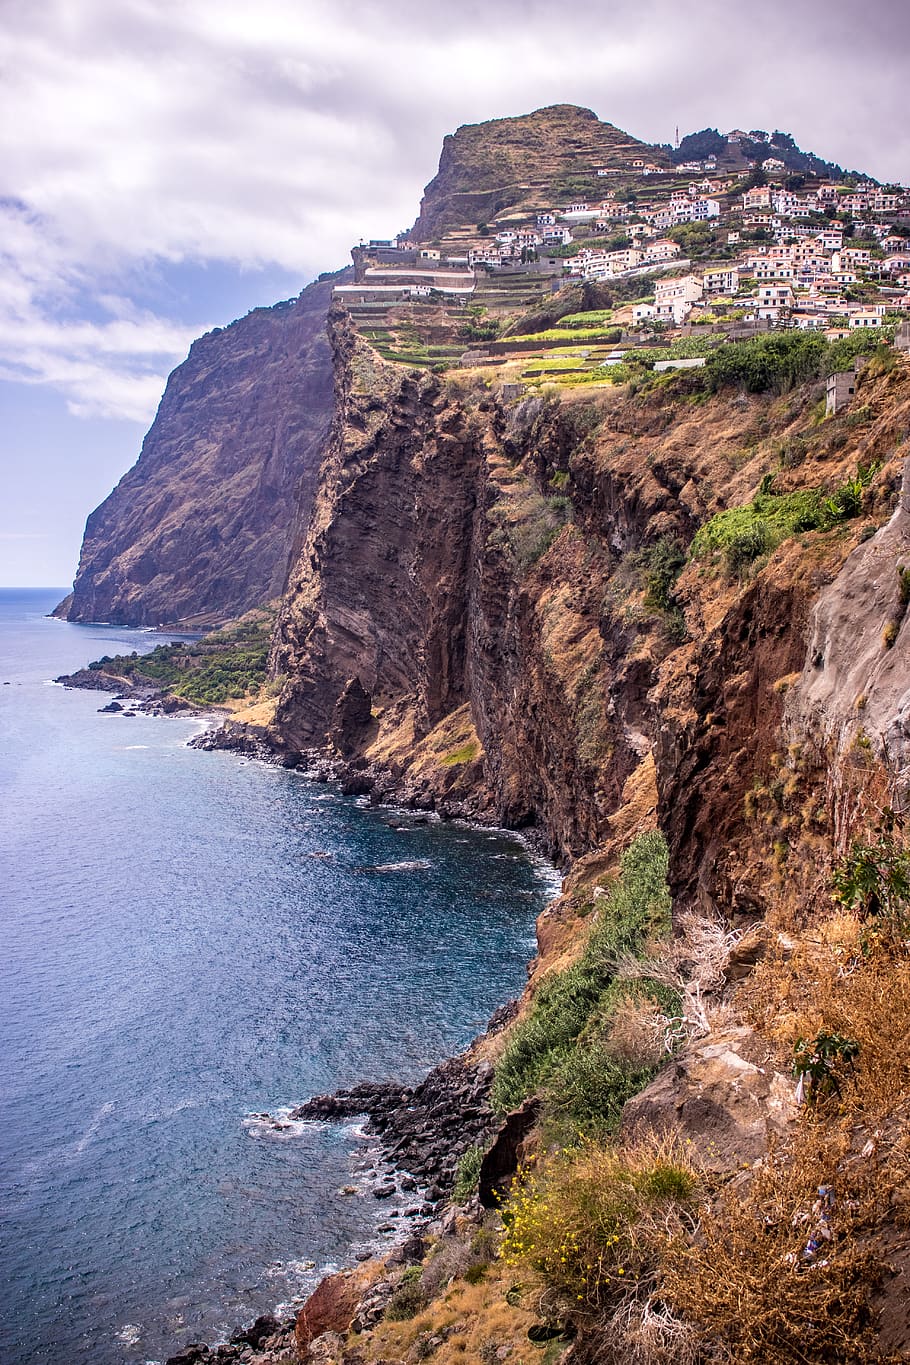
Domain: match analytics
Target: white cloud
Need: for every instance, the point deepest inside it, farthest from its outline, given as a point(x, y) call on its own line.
point(275, 134)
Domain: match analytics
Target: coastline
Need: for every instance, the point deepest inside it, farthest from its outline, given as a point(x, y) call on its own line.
point(422, 1130)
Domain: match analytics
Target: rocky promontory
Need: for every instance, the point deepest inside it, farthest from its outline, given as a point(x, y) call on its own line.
point(202, 527)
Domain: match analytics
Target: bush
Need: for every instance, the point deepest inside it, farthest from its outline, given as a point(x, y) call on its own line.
point(752, 1281)
point(409, 1298)
point(467, 1174)
point(593, 1225)
point(664, 561)
point(587, 1089)
point(742, 534)
point(636, 910)
point(772, 363)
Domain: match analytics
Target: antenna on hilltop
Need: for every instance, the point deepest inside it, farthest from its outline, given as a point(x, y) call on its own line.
point(677, 134)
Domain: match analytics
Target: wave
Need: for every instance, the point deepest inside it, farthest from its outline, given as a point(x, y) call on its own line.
point(408, 865)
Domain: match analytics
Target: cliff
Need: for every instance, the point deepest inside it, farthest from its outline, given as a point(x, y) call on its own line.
point(472, 622)
point(567, 612)
point(201, 528)
point(659, 620)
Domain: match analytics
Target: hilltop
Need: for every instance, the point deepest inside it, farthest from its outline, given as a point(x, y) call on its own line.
point(524, 162)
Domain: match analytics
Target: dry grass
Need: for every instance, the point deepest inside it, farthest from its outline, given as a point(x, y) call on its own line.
point(591, 1228)
point(694, 964)
point(749, 1282)
point(828, 982)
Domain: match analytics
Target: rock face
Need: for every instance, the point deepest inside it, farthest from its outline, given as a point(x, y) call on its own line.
point(202, 526)
point(513, 665)
point(722, 1095)
point(485, 167)
point(854, 682)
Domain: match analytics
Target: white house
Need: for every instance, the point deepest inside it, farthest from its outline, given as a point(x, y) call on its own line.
point(673, 299)
point(557, 236)
point(721, 280)
point(774, 300)
point(664, 249)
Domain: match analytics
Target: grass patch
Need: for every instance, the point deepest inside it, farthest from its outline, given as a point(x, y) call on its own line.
point(466, 754)
point(542, 1047)
point(743, 534)
point(592, 1226)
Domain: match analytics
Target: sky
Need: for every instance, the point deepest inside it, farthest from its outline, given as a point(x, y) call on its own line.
point(166, 165)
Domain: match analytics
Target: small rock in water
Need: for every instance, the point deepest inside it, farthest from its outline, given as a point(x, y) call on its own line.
point(348, 1189)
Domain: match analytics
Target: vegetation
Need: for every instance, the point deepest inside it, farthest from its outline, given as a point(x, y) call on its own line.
point(468, 1174)
point(743, 534)
point(562, 1045)
point(225, 665)
point(592, 1225)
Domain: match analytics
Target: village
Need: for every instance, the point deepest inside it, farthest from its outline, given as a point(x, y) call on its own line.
point(686, 249)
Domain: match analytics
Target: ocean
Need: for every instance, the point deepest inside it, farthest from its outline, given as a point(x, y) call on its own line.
point(188, 939)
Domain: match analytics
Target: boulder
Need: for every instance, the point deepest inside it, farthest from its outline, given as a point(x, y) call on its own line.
point(722, 1094)
point(330, 1308)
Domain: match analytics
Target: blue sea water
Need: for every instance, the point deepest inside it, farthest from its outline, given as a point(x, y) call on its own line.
point(187, 939)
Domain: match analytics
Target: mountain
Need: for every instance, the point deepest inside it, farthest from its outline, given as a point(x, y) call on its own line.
point(201, 528)
point(538, 158)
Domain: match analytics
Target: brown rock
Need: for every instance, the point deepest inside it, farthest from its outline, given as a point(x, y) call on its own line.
point(715, 1097)
point(203, 524)
point(330, 1308)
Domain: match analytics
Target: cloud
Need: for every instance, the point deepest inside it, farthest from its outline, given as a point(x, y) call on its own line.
point(156, 132)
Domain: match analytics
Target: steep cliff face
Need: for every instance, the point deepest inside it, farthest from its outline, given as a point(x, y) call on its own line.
point(471, 621)
point(486, 167)
point(202, 525)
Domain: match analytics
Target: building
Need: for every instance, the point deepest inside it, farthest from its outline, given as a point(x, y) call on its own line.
point(774, 301)
point(841, 387)
point(664, 249)
point(673, 299)
point(721, 280)
point(756, 199)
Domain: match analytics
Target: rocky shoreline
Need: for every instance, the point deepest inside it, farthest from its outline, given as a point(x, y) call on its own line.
point(424, 1130)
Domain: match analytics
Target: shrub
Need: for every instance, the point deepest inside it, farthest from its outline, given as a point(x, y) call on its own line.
point(664, 561)
point(774, 363)
point(753, 1282)
point(591, 1227)
point(588, 1087)
point(636, 910)
point(819, 1061)
point(467, 1174)
point(873, 879)
point(409, 1298)
point(742, 534)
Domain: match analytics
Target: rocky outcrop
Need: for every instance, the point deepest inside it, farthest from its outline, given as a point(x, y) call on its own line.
point(202, 526)
point(722, 1096)
point(855, 682)
point(424, 1129)
point(485, 167)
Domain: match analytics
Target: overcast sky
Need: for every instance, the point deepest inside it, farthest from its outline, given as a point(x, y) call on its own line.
point(167, 164)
